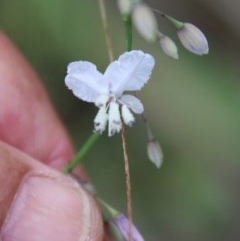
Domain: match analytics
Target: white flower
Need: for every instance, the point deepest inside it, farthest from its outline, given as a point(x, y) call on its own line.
point(129, 73)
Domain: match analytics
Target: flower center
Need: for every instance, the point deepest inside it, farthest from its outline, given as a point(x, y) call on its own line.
point(113, 111)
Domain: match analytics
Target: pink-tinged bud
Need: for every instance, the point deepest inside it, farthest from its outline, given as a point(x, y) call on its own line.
point(120, 227)
point(193, 39)
point(155, 153)
point(168, 47)
point(145, 22)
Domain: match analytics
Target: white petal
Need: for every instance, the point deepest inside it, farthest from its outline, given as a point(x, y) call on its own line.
point(114, 119)
point(133, 103)
point(100, 120)
point(130, 72)
point(127, 116)
point(85, 81)
point(101, 100)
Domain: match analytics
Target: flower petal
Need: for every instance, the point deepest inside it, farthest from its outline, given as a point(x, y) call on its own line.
point(127, 116)
point(85, 81)
point(114, 119)
point(130, 72)
point(133, 103)
point(100, 121)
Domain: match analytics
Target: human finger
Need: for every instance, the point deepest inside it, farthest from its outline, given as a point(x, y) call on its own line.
point(27, 118)
point(38, 203)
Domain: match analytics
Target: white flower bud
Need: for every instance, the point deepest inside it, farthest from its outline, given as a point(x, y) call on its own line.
point(124, 6)
point(114, 119)
point(127, 116)
point(155, 153)
point(145, 22)
point(193, 39)
point(100, 120)
point(168, 47)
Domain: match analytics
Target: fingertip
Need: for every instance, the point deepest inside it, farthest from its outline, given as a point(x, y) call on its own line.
point(48, 209)
point(28, 120)
point(38, 203)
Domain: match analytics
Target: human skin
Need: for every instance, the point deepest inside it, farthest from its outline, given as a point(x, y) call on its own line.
point(37, 202)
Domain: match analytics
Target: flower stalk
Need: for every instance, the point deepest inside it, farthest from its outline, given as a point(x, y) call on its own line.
point(128, 27)
point(128, 183)
point(106, 29)
point(81, 154)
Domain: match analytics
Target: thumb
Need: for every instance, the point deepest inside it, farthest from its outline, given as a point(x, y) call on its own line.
point(38, 203)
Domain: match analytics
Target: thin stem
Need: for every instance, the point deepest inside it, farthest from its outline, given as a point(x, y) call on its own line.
point(158, 11)
point(172, 20)
point(146, 123)
point(128, 183)
point(128, 24)
point(82, 153)
point(102, 7)
point(108, 211)
point(148, 128)
point(128, 27)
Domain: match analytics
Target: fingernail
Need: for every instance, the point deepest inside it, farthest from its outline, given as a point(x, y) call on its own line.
point(49, 209)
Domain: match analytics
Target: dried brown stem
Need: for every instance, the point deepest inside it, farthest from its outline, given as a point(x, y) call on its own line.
point(125, 155)
point(108, 40)
point(128, 183)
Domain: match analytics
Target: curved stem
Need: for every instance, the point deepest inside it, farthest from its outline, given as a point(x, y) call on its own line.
point(128, 26)
point(172, 20)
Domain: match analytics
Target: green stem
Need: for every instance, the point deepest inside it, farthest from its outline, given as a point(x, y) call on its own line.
point(148, 128)
point(108, 211)
point(82, 152)
point(175, 22)
point(128, 26)
point(172, 20)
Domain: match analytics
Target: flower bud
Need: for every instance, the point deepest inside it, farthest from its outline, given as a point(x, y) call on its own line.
point(155, 153)
point(145, 22)
point(168, 46)
point(124, 6)
point(120, 226)
point(193, 39)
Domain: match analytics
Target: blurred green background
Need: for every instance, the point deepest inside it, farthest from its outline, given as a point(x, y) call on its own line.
point(192, 104)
